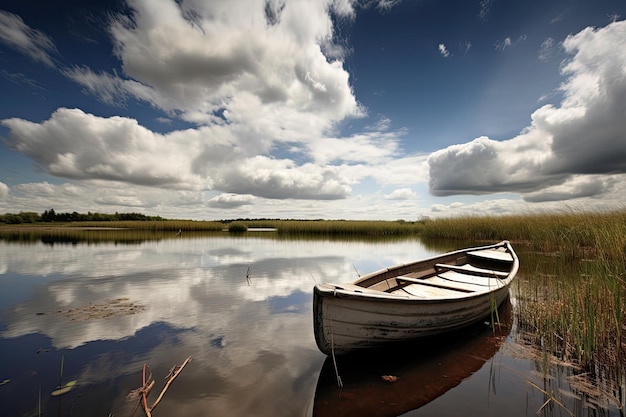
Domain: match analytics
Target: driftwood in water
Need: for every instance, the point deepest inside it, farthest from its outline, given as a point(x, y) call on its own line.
point(147, 383)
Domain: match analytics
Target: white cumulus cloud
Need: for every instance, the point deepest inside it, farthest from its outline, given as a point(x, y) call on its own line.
point(584, 135)
point(401, 194)
point(4, 190)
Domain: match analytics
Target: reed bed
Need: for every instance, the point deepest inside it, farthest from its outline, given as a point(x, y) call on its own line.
point(575, 313)
point(573, 234)
point(347, 228)
point(572, 305)
point(283, 227)
point(73, 235)
point(154, 225)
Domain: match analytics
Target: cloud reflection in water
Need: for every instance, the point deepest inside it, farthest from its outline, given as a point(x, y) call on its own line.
point(250, 337)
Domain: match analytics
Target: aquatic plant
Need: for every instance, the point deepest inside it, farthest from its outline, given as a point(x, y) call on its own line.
point(573, 312)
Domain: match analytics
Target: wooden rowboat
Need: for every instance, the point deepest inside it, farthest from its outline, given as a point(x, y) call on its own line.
point(414, 300)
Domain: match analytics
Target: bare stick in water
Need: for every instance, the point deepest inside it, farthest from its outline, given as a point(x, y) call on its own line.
point(170, 378)
point(144, 391)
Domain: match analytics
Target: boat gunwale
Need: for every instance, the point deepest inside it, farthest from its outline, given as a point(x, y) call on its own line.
point(326, 289)
point(504, 243)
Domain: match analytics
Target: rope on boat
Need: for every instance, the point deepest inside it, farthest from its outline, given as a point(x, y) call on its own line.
point(332, 352)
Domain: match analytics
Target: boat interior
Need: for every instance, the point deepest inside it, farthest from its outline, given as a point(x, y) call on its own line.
point(458, 275)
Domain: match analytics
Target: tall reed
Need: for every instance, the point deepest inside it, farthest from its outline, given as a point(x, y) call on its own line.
point(574, 234)
point(576, 310)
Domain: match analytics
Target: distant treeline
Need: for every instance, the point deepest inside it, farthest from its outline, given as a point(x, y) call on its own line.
point(50, 216)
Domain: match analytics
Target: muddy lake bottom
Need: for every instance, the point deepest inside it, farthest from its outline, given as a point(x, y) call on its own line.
point(78, 321)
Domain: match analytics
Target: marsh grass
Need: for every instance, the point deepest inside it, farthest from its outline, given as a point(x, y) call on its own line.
point(576, 312)
point(283, 227)
point(155, 225)
point(237, 227)
point(571, 290)
point(347, 228)
point(66, 235)
point(575, 234)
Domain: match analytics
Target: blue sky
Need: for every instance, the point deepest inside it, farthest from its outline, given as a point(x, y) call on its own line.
point(371, 109)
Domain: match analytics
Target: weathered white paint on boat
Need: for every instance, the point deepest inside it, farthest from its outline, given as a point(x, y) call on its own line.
point(413, 300)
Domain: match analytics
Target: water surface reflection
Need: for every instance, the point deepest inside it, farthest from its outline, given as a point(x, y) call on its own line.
point(240, 306)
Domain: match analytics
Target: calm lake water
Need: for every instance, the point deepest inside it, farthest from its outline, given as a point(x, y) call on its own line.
point(96, 311)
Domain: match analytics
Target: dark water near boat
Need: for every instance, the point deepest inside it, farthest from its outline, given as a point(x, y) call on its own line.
point(94, 311)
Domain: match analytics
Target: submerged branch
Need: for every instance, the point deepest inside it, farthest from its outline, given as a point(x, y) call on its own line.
point(145, 389)
point(170, 379)
point(148, 383)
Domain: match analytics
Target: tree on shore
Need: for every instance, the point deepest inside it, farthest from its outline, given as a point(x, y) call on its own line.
point(50, 216)
point(21, 217)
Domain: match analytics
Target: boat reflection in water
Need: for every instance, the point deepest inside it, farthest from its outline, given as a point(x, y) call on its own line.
point(390, 382)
